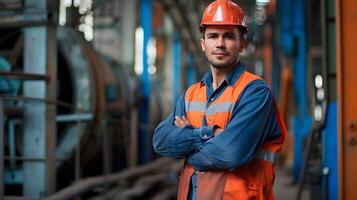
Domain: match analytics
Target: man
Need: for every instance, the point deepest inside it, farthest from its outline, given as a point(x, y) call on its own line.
point(226, 126)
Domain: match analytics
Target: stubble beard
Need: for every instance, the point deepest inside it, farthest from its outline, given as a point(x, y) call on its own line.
point(228, 64)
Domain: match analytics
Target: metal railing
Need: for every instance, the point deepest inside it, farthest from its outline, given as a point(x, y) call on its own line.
point(77, 117)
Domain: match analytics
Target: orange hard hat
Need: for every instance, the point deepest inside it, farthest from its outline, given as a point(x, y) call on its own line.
point(224, 12)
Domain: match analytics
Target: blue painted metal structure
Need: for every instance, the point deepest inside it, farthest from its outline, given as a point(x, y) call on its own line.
point(329, 160)
point(40, 56)
point(145, 147)
point(176, 67)
point(7, 86)
point(294, 45)
point(276, 71)
point(190, 70)
point(330, 137)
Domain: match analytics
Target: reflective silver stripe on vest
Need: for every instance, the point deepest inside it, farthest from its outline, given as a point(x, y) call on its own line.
point(220, 107)
point(265, 155)
point(197, 106)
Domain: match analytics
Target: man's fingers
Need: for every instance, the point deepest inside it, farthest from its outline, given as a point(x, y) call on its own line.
point(186, 120)
point(179, 122)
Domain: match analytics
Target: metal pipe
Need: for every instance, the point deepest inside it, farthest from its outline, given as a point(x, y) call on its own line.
point(26, 98)
point(24, 76)
point(74, 117)
point(85, 185)
point(24, 19)
point(12, 143)
point(316, 129)
point(17, 198)
point(145, 147)
point(105, 148)
point(77, 167)
point(1, 148)
point(20, 158)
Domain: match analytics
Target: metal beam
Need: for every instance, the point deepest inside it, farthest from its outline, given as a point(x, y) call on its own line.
point(40, 56)
point(128, 26)
point(176, 67)
point(24, 19)
point(24, 76)
point(145, 147)
point(346, 27)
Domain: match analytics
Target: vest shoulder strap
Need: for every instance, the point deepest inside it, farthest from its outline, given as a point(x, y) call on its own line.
point(243, 81)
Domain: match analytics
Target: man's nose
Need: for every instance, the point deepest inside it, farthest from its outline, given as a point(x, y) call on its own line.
point(221, 43)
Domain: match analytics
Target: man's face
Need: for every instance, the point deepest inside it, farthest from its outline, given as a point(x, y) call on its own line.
point(222, 45)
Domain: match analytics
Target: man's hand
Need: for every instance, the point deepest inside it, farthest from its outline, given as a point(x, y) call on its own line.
point(181, 121)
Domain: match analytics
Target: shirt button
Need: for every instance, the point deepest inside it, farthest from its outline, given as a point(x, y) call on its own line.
point(205, 136)
point(212, 99)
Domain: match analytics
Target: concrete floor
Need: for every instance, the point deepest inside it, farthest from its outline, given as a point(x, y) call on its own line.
point(284, 189)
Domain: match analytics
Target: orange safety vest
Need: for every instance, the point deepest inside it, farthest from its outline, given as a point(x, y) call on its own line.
point(253, 180)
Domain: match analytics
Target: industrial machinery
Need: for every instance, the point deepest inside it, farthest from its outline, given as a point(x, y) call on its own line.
point(97, 103)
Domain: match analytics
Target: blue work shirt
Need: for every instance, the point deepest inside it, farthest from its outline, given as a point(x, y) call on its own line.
point(252, 123)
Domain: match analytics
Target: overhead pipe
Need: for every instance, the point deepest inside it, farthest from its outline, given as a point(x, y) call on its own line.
point(25, 19)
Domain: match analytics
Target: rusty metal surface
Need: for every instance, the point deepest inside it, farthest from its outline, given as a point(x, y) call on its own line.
point(346, 28)
point(24, 76)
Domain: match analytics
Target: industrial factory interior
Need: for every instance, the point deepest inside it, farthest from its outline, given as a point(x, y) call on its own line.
point(84, 84)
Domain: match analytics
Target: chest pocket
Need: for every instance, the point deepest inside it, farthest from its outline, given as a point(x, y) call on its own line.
point(218, 114)
point(219, 111)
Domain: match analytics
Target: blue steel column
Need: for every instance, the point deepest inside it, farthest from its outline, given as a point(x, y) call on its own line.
point(330, 152)
point(176, 67)
point(145, 147)
point(39, 119)
point(330, 135)
point(293, 41)
point(190, 70)
point(302, 121)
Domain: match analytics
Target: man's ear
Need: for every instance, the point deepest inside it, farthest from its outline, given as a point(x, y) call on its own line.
point(202, 42)
point(242, 45)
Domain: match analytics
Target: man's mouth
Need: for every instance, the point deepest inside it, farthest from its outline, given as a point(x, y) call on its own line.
point(220, 53)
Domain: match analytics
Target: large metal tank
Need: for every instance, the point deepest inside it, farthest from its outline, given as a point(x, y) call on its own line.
point(103, 95)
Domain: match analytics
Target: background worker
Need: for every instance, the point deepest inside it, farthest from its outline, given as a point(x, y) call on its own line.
point(227, 126)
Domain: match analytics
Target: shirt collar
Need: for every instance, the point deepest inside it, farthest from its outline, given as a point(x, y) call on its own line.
point(231, 77)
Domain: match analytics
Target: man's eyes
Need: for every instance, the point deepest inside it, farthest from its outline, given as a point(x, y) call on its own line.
point(229, 36)
point(212, 36)
point(225, 36)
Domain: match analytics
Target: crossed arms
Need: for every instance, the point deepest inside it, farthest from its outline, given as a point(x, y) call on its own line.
point(252, 122)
